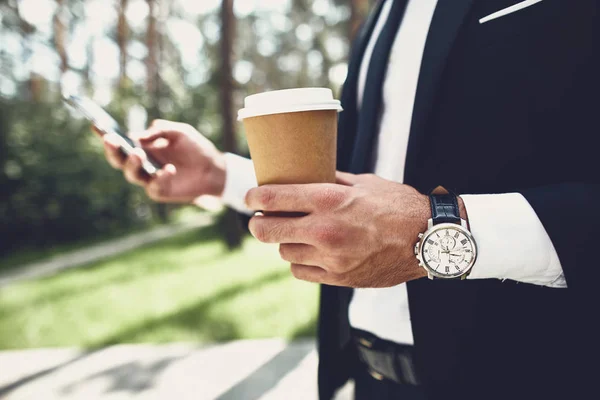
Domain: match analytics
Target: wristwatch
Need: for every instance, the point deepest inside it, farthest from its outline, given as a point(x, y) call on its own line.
point(447, 250)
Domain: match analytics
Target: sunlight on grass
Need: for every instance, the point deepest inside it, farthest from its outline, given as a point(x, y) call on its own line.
point(187, 288)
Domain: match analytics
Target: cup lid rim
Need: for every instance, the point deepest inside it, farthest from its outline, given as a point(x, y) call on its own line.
point(289, 100)
point(257, 112)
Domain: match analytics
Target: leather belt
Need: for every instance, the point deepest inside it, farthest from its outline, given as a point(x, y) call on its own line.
point(385, 359)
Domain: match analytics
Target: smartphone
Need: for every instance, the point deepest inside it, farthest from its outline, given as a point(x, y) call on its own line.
point(107, 124)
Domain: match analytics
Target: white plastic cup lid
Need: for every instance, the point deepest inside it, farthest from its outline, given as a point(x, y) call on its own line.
point(290, 100)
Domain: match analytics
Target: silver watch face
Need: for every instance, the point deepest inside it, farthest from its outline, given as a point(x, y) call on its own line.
point(448, 251)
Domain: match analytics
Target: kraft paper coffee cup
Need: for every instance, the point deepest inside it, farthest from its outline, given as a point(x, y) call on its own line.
point(292, 135)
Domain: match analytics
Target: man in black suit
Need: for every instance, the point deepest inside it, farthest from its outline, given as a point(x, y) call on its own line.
point(494, 101)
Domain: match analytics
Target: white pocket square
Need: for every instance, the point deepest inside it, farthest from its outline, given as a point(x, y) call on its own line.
point(509, 10)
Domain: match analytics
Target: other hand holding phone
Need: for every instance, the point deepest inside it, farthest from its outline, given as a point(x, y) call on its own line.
point(192, 164)
point(105, 124)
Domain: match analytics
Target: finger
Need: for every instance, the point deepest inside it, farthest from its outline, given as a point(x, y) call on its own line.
point(133, 168)
point(153, 134)
point(96, 131)
point(303, 254)
point(346, 179)
point(160, 188)
point(295, 198)
point(269, 229)
point(309, 273)
point(112, 151)
point(135, 136)
point(162, 129)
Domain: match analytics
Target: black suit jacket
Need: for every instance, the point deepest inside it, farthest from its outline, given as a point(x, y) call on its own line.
point(506, 106)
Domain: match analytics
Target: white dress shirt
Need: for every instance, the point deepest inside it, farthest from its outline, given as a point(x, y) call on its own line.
point(512, 242)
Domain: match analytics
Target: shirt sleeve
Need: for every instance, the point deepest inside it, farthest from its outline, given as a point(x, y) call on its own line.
point(511, 241)
point(239, 179)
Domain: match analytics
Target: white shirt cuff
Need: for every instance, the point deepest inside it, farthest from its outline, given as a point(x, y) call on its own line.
point(239, 179)
point(511, 241)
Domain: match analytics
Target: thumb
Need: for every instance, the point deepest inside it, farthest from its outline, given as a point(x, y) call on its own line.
point(347, 179)
point(154, 133)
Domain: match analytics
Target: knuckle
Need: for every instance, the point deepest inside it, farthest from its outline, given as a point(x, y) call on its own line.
point(367, 176)
point(328, 235)
point(267, 198)
point(157, 122)
point(187, 128)
point(330, 197)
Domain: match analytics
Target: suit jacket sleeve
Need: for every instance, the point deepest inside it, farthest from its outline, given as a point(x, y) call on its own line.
point(571, 217)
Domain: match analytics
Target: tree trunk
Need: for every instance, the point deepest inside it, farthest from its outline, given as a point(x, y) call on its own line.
point(60, 35)
point(152, 44)
point(153, 79)
point(87, 72)
point(122, 40)
point(233, 233)
point(358, 12)
point(27, 30)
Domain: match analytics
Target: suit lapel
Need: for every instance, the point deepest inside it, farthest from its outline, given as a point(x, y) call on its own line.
point(447, 20)
point(348, 118)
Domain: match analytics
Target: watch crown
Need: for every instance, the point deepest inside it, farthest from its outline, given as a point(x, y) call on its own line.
point(421, 235)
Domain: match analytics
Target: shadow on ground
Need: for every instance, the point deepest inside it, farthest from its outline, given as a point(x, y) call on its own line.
point(195, 317)
point(131, 377)
point(267, 375)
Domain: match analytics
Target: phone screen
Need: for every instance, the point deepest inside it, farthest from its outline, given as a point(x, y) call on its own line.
point(107, 124)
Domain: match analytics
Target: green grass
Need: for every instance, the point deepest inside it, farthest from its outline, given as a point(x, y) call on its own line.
point(188, 288)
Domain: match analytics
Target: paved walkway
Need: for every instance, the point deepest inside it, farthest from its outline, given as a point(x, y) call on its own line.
point(100, 251)
point(245, 370)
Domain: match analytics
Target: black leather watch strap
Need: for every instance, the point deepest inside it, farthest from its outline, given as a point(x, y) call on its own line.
point(444, 209)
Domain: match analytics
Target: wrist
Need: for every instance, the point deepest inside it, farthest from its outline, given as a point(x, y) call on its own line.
point(463, 209)
point(217, 175)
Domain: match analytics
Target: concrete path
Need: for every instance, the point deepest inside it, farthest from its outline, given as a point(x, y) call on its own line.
point(100, 251)
point(245, 370)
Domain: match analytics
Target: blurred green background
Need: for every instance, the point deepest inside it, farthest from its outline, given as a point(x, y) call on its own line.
point(186, 60)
